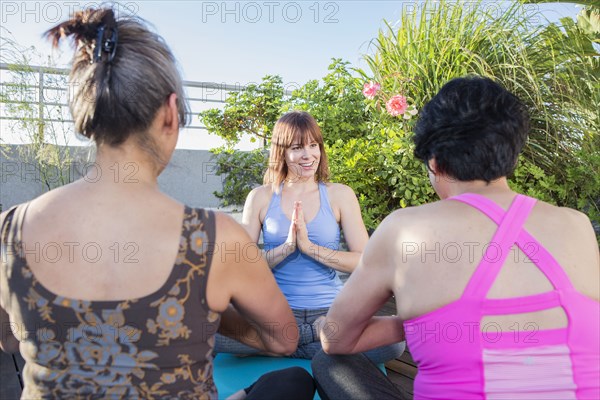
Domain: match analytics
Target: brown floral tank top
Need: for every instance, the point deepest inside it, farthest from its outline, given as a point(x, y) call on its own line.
point(154, 347)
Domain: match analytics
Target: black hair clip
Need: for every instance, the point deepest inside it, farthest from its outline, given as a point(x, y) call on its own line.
point(105, 45)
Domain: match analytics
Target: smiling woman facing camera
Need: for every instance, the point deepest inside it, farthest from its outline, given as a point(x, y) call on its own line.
point(135, 315)
point(300, 215)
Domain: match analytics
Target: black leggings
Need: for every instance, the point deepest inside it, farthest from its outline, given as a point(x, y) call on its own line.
point(293, 383)
point(352, 377)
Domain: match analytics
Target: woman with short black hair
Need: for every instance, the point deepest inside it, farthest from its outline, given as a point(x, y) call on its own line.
point(497, 293)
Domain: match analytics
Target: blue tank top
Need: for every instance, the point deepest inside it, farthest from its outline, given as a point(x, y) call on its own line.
point(305, 282)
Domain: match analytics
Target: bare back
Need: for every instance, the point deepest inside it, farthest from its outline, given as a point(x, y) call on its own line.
point(87, 242)
point(439, 245)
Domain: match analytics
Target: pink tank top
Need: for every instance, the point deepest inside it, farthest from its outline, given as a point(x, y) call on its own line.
point(458, 358)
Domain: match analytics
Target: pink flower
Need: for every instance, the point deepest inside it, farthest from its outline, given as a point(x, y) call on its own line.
point(396, 105)
point(370, 89)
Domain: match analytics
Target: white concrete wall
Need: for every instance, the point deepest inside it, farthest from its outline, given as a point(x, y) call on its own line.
point(189, 177)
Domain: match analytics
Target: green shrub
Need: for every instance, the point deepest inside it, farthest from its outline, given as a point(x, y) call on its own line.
point(242, 171)
point(553, 69)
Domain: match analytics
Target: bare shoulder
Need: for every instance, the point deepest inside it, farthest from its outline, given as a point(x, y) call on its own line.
point(577, 219)
point(561, 217)
point(409, 217)
point(49, 207)
point(229, 234)
point(259, 196)
point(228, 229)
point(389, 239)
point(343, 201)
point(576, 251)
point(338, 192)
point(256, 205)
point(402, 225)
point(339, 188)
point(580, 224)
point(261, 192)
point(572, 215)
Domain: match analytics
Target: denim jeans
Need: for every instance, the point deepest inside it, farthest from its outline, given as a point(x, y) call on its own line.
point(308, 342)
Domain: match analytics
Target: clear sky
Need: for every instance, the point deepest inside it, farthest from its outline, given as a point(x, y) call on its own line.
point(239, 42)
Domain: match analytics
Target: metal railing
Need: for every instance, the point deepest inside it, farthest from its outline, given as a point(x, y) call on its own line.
point(34, 83)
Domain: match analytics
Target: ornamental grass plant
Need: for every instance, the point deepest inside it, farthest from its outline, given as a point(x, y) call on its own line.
point(553, 68)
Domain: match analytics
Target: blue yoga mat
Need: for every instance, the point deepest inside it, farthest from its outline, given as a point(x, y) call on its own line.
point(232, 373)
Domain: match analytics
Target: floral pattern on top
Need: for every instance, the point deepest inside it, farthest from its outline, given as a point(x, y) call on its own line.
point(156, 347)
